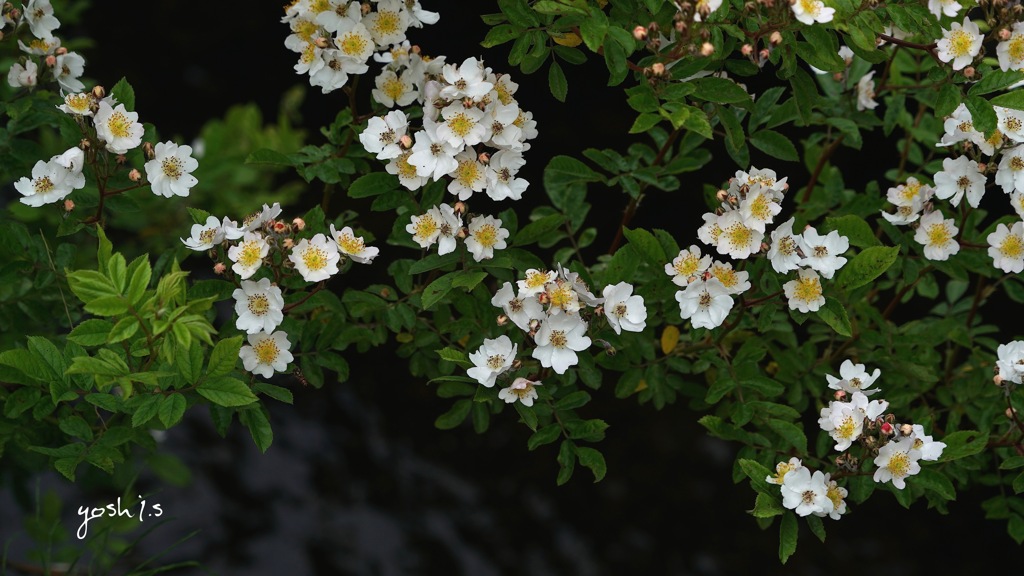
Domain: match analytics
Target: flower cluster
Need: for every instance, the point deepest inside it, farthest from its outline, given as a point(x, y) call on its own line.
point(806, 493)
point(53, 180)
point(737, 230)
point(336, 38)
point(43, 52)
point(443, 225)
point(551, 305)
point(263, 243)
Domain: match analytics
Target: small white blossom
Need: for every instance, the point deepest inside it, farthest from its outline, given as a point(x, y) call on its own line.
point(432, 156)
point(408, 174)
point(782, 469)
point(259, 306)
point(1006, 248)
point(823, 253)
point(535, 282)
point(78, 104)
point(521, 389)
point(248, 255)
point(687, 265)
point(737, 239)
point(960, 44)
point(804, 291)
point(394, 90)
point(485, 236)
point(1010, 123)
point(26, 75)
point(1011, 51)
point(960, 176)
point(205, 236)
point(315, 259)
point(853, 378)
point(170, 171)
point(266, 353)
point(623, 309)
point(938, 236)
point(40, 18)
point(837, 495)
point(118, 128)
point(425, 228)
point(811, 11)
point(559, 339)
point(1011, 361)
point(805, 493)
point(469, 176)
point(67, 70)
point(519, 309)
point(947, 7)
point(734, 281)
point(897, 460)
point(353, 246)
point(50, 182)
point(866, 92)
point(705, 303)
point(465, 81)
point(383, 135)
point(501, 175)
point(930, 449)
point(759, 207)
point(492, 359)
point(783, 253)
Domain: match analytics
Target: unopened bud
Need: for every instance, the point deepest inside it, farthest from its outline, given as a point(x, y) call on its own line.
point(405, 142)
point(287, 243)
point(599, 311)
point(1004, 34)
point(385, 293)
point(415, 49)
point(219, 268)
point(887, 429)
point(838, 76)
point(484, 158)
point(640, 33)
point(51, 60)
point(121, 159)
point(906, 429)
point(1010, 412)
point(280, 227)
point(61, 51)
point(680, 26)
point(461, 233)
point(322, 43)
point(517, 364)
point(299, 224)
point(365, 8)
point(99, 92)
point(460, 207)
point(658, 69)
point(134, 175)
point(84, 144)
point(998, 379)
point(69, 205)
point(707, 49)
point(764, 53)
point(775, 38)
point(721, 195)
point(543, 298)
point(982, 167)
point(147, 150)
point(502, 320)
point(969, 72)
point(747, 50)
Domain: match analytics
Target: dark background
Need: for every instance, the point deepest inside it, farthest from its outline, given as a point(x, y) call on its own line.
point(359, 482)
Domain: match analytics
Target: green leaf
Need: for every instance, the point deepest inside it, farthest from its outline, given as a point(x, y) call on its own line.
point(594, 460)
point(775, 145)
point(556, 82)
point(145, 411)
point(962, 444)
point(454, 416)
point(467, 279)
point(821, 49)
point(434, 261)
point(528, 414)
point(92, 332)
point(721, 90)
point(77, 427)
point(437, 290)
point(107, 306)
point(1014, 100)
point(124, 94)
point(594, 29)
point(647, 245)
point(372, 184)
point(537, 230)
point(615, 60)
point(499, 35)
point(268, 157)
point(544, 435)
point(227, 392)
point(792, 433)
point(766, 506)
point(1012, 463)
point(224, 357)
point(90, 285)
point(172, 408)
point(983, 116)
point(456, 356)
point(787, 537)
point(855, 228)
point(573, 400)
point(994, 81)
point(718, 389)
point(259, 427)
point(276, 392)
point(834, 314)
point(948, 99)
point(936, 482)
point(644, 122)
point(1018, 483)
point(124, 329)
point(871, 263)
point(190, 363)
point(519, 13)
point(139, 275)
point(805, 93)
point(816, 526)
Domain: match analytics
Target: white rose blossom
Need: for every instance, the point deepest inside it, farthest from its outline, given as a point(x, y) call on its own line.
point(259, 306)
point(521, 389)
point(266, 353)
point(492, 359)
point(560, 337)
point(938, 236)
point(623, 309)
point(315, 259)
point(170, 171)
point(353, 246)
point(960, 44)
point(248, 255)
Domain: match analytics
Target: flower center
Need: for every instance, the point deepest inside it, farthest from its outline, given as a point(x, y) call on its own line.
point(562, 296)
point(1013, 123)
point(812, 7)
point(486, 235)
point(963, 182)
point(77, 102)
point(835, 496)
point(1016, 163)
point(686, 265)
point(258, 304)
point(250, 253)
point(353, 44)
point(960, 43)
point(1012, 247)
point(938, 234)
point(847, 429)
point(461, 124)
point(426, 226)
point(42, 185)
point(787, 246)
point(1016, 48)
point(349, 244)
point(738, 235)
point(467, 173)
point(619, 310)
point(524, 391)
point(495, 362)
point(387, 136)
point(807, 289)
point(536, 279)
point(405, 170)
point(266, 351)
point(172, 167)
point(808, 497)
point(206, 236)
point(558, 338)
point(726, 276)
point(705, 299)
point(118, 125)
point(314, 258)
point(759, 208)
point(820, 251)
point(899, 464)
point(910, 191)
point(394, 88)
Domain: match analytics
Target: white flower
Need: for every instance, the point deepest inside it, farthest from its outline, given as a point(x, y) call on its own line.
point(759, 207)
point(805, 493)
point(705, 7)
point(431, 156)
point(837, 495)
point(315, 259)
point(912, 193)
point(50, 182)
point(425, 228)
point(355, 45)
point(418, 17)
point(804, 291)
point(558, 340)
point(897, 460)
point(493, 358)
point(579, 286)
point(485, 236)
point(562, 296)
point(248, 255)
point(1011, 51)
point(170, 171)
point(40, 18)
point(783, 252)
point(1011, 361)
point(1017, 201)
point(67, 70)
point(930, 449)
point(205, 236)
point(811, 11)
point(383, 134)
point(353, 246)
point(521, 389)
point(469, 176)
point(333, 74)
point(27, 75)
point(624, 310)
point(408, 175)
point(844, 421)
point(466, 81)
point(1006, 248)
point(393, 89)
point(78, 104)
point(338, 15)
point(959, 126)
point(259, 306)
point(1011, 123)
point(960, 175)
point(705, 303)
point(822, 253)
point(449, 226)
point(938, 236)
point(73, 161)
point(535, 282)
point(688, 264)
point(866, 92)
point(520, 309)
point(118, 128)
point(737, 239)
point(735, 282)
point(758, 176)
point(388, 24)
point(940, 7)
point(782, 469)
point(462, 125)
point(961, 44)
point(501, 118)
point(501, 175)
point(253, 221)
point(853, 378)
point(266, 353)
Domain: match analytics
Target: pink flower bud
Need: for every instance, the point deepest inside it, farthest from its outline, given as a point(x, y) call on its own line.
point(134, 175)
point(1004, 34)
point(969, 72)
point(279, 226)
point(61, 51)
point(775, 38)
point(484, 158)
point(747, 50)
point(460, 208)
point(299, 224)
point(839, 394)
point(219, 268)
point(658, 69)
point(288, 243)
point(51, 60)
point(764, 53)
point(998, 379)
point(69, 205)
point(707, 49)
point(405, 142)
point(640, 33)
point(887, 429)
point(502, 320)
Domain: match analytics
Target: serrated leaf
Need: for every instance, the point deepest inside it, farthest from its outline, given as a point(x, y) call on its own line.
point(457, 356)
point(124, 329)
point(646, 245)
point(855, 228)
point(92, 332)
point(871, 263)
point(123, 93)
point(145, 411)
point(556, 82)
point(775, 145)
point(594, 460)
point(791, 433)
point(455, 415)
point(372, 184)
point(766, 506)
point(962, 444)
point(259, 427)
point(536, 231)
point(227, 392)
point(720, 90)
point(224, 357)
point(787, 537)
point(834, 314)
point(172, 408)
point(436, 290)
point(573, 400)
